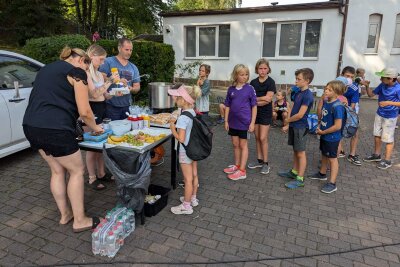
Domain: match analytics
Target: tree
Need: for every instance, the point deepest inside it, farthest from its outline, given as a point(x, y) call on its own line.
point(27, 19)
point(205, 4)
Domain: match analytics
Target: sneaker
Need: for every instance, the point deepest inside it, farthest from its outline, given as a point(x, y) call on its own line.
point(341, 154)
point(328, 188)
point(384, 164)
point(288, 174)
point(253, 165)
point(318, 176)
point(194, 202)
point(221, 120)
point(231, 169)
point(265, 169)
point(354, 159)
point(294, 184)
point(237, 175)
point(373, 157)
point(180, 209)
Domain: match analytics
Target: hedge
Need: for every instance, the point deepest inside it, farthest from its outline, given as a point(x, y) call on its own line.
point(48, 49)
point(155, 59)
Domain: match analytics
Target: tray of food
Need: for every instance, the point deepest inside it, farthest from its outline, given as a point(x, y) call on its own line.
point(162, 119)
point(119, 91)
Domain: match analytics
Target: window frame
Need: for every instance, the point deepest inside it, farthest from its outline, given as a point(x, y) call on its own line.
point(302, 39)
point(396, 50)
point(217, 41)
point(373, 21)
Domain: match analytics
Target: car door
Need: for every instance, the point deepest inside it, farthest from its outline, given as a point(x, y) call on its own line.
point(5, 133)
point(22, 72)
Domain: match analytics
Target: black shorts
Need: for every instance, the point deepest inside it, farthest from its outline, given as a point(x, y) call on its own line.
point(242, 134)
point(279, 115)
point(264, 116)
point(298, 138)
point(99, 110)
point(328, 149)
point(56, 143)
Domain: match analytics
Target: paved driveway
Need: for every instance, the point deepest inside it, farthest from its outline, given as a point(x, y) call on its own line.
point(248, 220)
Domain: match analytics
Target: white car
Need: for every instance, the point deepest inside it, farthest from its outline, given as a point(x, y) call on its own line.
point(17, 74)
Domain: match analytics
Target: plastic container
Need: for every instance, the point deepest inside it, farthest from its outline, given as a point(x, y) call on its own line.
point(153, 209)
point(96, 138)
point(120, 127)
point(146, 121)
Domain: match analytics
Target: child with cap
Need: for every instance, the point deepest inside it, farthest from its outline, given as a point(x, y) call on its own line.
point(386, 116)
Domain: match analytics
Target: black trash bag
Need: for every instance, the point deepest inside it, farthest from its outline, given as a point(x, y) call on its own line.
point(132, 175)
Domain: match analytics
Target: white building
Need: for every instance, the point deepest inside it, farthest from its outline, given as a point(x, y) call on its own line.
point(290, 37)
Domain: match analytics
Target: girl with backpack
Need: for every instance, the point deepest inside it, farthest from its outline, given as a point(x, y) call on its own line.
point(240, 119)
point(185, 98)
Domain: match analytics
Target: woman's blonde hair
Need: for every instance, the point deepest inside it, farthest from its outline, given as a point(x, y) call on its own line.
point(235, 73)
point(193, 91)
point(68, 52)
point(95, 50)
point(262, 61)
point(338, 87)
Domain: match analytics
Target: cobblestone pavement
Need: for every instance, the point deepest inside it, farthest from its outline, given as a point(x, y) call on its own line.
point(248, 220)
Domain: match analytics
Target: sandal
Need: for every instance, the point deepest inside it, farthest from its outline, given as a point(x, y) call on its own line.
point(106, 178)
point(97, 185)
point(95, 222)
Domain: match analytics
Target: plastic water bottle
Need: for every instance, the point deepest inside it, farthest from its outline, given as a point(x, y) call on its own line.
point(111, 244)
point(96, 242)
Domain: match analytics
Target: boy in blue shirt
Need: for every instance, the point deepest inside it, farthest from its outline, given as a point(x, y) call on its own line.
point(386, 116)
point(298, 128)
point(331, 134)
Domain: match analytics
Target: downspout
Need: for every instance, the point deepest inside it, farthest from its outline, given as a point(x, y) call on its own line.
point(346, 8)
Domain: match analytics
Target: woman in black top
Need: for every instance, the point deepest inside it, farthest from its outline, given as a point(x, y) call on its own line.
point(59, 96)
point(265, 90)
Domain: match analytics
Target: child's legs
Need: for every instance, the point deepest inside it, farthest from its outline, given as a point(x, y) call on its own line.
point(334, 169)
point(284, 116)
point(302, 162)
point(324, 164)
point(263, 139)
point(353, 144)
point(236, 149)
point(388, 130)
point(378, 130)
point(299, 147)
point(244, 153)
point(187, 171)
point(195, 178)
point(274, 116)
point(378, 145)
point(257, 133)
point(340, 147)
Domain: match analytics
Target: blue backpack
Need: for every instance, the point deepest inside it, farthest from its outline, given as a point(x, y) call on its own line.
point(350, 121)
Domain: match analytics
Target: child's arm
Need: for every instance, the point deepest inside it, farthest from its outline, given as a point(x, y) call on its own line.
point(205, 87)
point(264, 100)
point(334, 128)
point(180, 136)
point(253, 118)
point(389, 103)
point(227, 109)
point(299, 115)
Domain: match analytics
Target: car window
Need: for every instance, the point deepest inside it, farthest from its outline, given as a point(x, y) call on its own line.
point(15, 69)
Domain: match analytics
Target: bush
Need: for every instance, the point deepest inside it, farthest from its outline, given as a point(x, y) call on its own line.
point(111, 46)
point(48, 49)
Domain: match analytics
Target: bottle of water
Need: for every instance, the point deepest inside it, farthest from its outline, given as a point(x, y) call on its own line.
point(96, 242)
point(111, 244)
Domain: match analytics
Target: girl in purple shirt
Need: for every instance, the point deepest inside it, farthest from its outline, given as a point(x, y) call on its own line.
point(240, 114)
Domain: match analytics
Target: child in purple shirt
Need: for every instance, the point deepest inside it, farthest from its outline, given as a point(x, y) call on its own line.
point(240, 115)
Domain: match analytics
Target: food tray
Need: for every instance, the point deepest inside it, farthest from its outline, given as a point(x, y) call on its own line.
point(96, 138)
point(159, 125)
point(123, 90)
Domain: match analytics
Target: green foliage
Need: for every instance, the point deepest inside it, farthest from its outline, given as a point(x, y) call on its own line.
point(205, 4)
point(189, 70)
point(48, 49)
point(111, 46)
point(25, 19)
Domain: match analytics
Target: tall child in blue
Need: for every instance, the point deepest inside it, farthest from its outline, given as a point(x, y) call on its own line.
point(117, 107)
point(386, 116)
point(298, 128)
point(185, 98)
point(330, 131)
point(240, 118)
point(265, 90)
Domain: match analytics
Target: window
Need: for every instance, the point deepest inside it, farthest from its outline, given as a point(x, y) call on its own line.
point(208, 41)
point(396, 41)
point(373, 33)
point(14, 69)
point(294, 39)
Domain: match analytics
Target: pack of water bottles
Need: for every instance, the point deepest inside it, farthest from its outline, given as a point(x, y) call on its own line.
point(109, 235)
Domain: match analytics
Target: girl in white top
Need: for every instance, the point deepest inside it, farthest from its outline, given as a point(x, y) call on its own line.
point(185, 97)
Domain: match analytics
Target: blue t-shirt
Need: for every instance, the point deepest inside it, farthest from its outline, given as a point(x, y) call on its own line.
point(386, 93)
point(129, 72)
point(329, 115)
point(352, 94)
point(302, 98)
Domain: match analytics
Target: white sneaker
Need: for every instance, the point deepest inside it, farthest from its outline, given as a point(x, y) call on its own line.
point(180, 209)
point(194, 202)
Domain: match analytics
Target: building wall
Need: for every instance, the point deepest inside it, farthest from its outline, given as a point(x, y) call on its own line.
point(357, 35)
point(246, 43)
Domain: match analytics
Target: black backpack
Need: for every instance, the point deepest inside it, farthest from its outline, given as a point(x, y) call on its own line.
point(200, 142)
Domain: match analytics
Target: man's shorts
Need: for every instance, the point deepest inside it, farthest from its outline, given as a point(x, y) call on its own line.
point(298, 138)
point(384, 128)
point(328, 149)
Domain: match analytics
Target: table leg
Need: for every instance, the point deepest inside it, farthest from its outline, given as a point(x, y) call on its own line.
point(173, 163)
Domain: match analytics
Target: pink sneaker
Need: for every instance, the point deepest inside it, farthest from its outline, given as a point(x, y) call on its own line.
point(231, 169)
point(237, 175)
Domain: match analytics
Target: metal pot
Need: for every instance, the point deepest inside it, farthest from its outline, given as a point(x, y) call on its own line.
point(158, 95)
